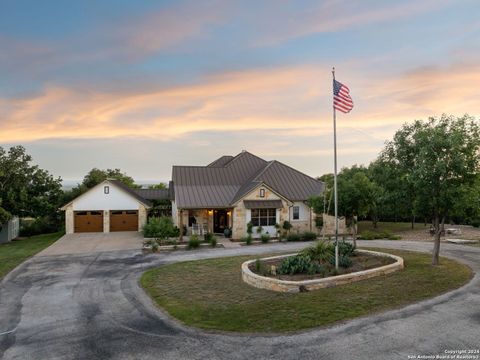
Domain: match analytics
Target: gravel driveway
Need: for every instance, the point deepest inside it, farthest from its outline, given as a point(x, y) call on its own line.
point(89, 306)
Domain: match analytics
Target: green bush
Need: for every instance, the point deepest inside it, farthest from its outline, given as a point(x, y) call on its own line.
point(161, 228)
point(373, 235)
point(343, 261)
point(345, 248)
point(286, 225)
point(475, 223)
point(298, 264)
point(259, 229)
point(321, 251)
point(247, 240)
point(308, 236)
point(294, 237)
point(207, 237)
point(42, 225)
point(213, 241)
point(193, 242)
point(250, 228)
point(265, 238)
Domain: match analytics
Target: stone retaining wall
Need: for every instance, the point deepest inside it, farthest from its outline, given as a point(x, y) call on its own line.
point(264, 282)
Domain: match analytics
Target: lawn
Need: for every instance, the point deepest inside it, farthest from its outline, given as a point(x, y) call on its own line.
point(17, 251)
point(210, 294)
point(391, 227)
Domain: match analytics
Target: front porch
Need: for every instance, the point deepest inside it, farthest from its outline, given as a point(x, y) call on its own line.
point(202, 221)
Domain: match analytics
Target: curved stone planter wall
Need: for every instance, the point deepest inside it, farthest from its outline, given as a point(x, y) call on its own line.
point(269, 283)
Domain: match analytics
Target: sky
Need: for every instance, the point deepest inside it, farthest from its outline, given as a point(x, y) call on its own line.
point(144, 85)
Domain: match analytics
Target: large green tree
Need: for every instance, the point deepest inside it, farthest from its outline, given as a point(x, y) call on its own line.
point(25, 189)
point(95, 177)
point(436, 158)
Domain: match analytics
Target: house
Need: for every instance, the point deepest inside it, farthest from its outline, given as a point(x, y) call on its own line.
point(230, 192)
point(235, 190)
point(110, 206)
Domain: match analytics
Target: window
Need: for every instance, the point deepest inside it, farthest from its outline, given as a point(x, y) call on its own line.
point(264, 217)
point(106, 189)
point(262, 193)
point(296, 212)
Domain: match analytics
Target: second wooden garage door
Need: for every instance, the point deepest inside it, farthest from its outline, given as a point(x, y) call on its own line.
point(125, 220)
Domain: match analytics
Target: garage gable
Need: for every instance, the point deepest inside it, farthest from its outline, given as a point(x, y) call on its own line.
point(105, 196)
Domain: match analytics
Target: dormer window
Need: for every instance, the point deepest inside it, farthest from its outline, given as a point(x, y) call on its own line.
point(262, 193)
point(106, 189)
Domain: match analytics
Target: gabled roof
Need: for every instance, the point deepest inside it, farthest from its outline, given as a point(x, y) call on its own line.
point(221, 161)
point(118, 184)
point(215, 185)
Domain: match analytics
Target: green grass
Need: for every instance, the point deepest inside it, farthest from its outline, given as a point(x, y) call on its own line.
point(392, 227)
point(17, 251)
point(210, 294)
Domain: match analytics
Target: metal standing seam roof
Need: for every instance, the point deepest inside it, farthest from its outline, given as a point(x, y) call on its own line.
point(263, 204)
point(153, 194)
point(221, 186)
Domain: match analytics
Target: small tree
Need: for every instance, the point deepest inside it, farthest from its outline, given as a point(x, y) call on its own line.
point(436, 158)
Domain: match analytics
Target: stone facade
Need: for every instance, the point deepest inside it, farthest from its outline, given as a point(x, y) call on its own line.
point(69, 219)
point(106, 221)
point(264, 282)
point(142, 217)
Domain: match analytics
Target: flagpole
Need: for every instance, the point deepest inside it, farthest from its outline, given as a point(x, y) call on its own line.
point(335, 176)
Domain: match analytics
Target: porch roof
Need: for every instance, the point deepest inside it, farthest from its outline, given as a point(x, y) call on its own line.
point(263, 204)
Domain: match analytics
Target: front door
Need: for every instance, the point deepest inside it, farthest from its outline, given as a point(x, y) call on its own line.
point(220, 221)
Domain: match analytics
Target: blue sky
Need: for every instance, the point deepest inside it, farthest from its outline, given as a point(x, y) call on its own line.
point(143, 85)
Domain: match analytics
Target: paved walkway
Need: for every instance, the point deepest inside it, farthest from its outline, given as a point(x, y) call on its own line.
point(90, 306)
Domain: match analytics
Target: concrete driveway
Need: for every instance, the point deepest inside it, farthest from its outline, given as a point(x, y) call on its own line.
point(90, 306)
point(89, 243)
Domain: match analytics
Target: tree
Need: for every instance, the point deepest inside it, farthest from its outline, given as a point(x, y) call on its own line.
point(95, 177)
point(436, 158)
point(25, 189)
point(161, 185)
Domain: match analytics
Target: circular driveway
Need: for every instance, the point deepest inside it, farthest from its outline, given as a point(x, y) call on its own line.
point(89, 306)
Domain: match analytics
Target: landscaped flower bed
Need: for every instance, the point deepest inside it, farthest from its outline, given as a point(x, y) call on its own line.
point(314, 268)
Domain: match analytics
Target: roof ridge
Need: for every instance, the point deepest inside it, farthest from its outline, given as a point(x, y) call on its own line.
point(269, 163)
point(244, 152)
point(298, 171)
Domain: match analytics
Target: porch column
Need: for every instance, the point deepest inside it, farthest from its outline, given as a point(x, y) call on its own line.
point(180, 226)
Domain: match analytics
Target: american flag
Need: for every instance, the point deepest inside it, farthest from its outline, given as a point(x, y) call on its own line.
point(341, 97)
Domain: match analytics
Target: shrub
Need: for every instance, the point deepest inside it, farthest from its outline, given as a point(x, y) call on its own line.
point(308, 236)
point(265, 238)
point(249, 228)
point(42, 225)
point(207, 237)
point(298, 264)
point(321, 251)
point(343, 261)
point(475, 223)
point(259, 229)
point(345, 248)
point(161, 228)
point(286, 225)
point(213, 241)
point(193, 242)
point(294, 237)
point(247, 240)
point(372, 235)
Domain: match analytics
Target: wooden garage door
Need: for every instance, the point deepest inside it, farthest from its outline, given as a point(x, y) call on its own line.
point(125, 220)
point(88, 221)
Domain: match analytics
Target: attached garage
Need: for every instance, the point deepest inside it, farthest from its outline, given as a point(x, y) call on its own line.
point(123, 220)
point(108, 206)
point(88, 221)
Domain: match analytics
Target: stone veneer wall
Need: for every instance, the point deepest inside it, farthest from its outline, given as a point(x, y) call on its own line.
point(142, 217)
point(106, 221)
point(69, 220)
point(264, 282)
